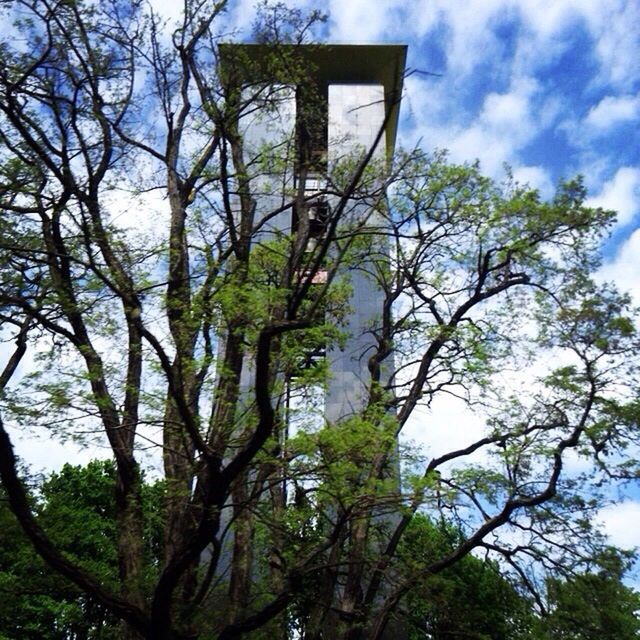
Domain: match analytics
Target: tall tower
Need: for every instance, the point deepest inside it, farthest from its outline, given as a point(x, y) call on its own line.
point(303, 111)
point(347, 95)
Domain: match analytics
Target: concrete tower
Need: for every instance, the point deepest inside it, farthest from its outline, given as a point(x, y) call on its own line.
point(294, 133)
point(349, 93)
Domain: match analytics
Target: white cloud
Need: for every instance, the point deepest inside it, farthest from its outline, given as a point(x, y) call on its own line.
point(510, 120)
point(505, 124)
point(536, 177)
point(139, 212)
point(384, 20)
point(168, 9)
point(624, 269)
point(547, 17)
point(621, 193)
point(614, 27)
point(506, 112)
point(610, 24)
point(471, 39)
point(448, 425)
point(612, 110)
point(361, 20)
point(479, 142)
point(45, 454)
point(621, 523)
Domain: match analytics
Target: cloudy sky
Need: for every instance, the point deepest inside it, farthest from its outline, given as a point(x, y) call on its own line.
point(551, 87)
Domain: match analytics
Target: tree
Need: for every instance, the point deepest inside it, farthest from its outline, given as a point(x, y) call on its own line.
point(470, 600)
point(594, 604)
point(147, 337)
point(77, 508)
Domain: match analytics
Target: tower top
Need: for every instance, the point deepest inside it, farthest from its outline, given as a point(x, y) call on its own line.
point(326, 64)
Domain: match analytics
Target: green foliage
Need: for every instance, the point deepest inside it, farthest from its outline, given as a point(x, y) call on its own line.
point(207, 332)
point(592, 606)
point(76, 507)
point(470, 600)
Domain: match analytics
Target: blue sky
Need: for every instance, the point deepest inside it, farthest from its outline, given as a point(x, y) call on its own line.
point(551, 87)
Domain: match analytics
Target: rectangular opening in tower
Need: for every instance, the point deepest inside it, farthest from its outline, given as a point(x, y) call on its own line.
point(312, 117)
